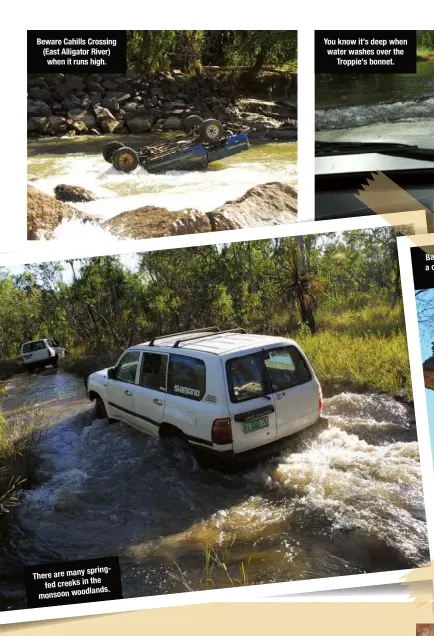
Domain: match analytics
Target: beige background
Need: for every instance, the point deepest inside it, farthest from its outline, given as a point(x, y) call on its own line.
point(246, 619)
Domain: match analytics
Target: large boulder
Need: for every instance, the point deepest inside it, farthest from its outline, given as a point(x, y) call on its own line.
point(56, 125)
point(138, 125)
point(45, 213)
point(172, 123)
point(151, 222)
point(82, 115)
point(38, 108)
point(428, 373)
point(73, 194)
point(266, 204)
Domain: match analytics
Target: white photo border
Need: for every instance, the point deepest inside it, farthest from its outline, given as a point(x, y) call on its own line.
point(53, 251)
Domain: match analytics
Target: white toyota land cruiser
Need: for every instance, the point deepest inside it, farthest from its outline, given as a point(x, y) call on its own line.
point(212, 396)
point(40, 353)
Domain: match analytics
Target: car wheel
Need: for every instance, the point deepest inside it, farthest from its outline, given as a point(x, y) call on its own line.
point(193, 121)
point(211, 131)
point(125, 159)
point(109, 149)
point(100, 410)
point(177, 449)
point(29, 368)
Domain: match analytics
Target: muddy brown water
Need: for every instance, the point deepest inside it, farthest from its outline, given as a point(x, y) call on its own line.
point(345, 501)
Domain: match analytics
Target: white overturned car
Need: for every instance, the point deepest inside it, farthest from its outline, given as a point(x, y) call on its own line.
point(212, 396)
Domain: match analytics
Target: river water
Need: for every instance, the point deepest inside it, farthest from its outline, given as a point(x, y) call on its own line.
point(388, 105)
point(79, 162)
point(344, 501)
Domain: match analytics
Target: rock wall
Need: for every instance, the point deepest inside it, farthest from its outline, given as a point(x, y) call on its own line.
point(71, 105)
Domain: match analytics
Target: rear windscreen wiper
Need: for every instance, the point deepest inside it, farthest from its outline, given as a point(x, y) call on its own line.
point(332, 148)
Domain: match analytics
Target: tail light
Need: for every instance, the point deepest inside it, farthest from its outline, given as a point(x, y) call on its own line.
point(221, 431)
point(320, 400)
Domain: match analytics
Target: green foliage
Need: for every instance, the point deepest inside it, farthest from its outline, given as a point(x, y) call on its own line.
point(341, 291)
point(151, 51)
point(425, 41)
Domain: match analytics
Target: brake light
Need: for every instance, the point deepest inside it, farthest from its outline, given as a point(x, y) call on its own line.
point(221, 431)
point(320, 400)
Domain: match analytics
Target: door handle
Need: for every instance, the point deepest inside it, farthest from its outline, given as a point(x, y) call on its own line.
point(159, 402)
point(128, 392)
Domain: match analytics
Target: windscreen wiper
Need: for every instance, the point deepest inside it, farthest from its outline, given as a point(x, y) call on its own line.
point(334, 148)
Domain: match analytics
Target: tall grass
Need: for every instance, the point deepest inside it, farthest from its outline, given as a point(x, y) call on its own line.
point(19, 442)
point(360, 348)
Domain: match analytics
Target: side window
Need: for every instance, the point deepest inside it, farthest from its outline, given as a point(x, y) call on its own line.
point(187, 377)
point(153, 371)
point(50, 343)
point(127, 367)
point(286, 368)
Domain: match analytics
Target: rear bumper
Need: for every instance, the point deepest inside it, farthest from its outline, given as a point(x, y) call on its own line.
point(230, 459)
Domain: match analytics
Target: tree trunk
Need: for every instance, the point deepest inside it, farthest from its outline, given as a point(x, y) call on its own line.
point(146, 48)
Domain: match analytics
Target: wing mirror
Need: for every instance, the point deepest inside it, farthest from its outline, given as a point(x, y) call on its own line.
point(111, 373)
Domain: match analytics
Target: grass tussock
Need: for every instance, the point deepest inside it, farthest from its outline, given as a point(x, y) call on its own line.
point(220, 568)
point(19, 443)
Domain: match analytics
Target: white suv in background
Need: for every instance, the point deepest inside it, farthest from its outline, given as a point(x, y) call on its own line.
point(212, 396)
point(40, 353)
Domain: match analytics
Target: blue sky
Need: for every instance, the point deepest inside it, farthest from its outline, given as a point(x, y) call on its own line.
point(426, 338)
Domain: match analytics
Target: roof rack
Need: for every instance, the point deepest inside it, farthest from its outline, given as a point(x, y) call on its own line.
point(205, 335)
point(183, 333)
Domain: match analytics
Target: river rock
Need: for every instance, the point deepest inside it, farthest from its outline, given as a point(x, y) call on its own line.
point(82, 115)
point(57, 125)
point(38, 109)
point(151, 221)
point(172, 123)
point(73, 194)
point(428, 373)
point(103, 113)
point(41, 94)
point(109, 126)
point(138, 125)
point(110, 85)
point(266, 204)
point(45, 213)
point(38, 125)
point(77, 126)
point(111, 103)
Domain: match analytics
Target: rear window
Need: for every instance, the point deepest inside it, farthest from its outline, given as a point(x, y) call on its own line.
point(186, 377)
point(36, 345)
point(265, 372)
point(286, 368)
point(247, 377)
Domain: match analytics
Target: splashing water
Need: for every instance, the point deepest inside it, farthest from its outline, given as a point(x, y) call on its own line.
point(345, 501)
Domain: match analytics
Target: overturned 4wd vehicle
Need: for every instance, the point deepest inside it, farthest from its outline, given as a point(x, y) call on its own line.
point(202, 143)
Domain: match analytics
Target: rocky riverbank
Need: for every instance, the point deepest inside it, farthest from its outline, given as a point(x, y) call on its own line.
point(70, 105)
point(267, 204)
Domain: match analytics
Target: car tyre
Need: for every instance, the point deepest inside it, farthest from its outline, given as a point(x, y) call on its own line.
point(125, 159)
point(100, 410)
point(177, 449)
point(109, 149)
point(193, 121)
point(211, 131)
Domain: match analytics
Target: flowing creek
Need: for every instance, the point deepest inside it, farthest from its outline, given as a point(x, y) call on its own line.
point(79, 162)
point(346, 501)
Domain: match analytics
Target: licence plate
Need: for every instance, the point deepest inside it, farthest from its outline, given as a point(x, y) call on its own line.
point(255, 425)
